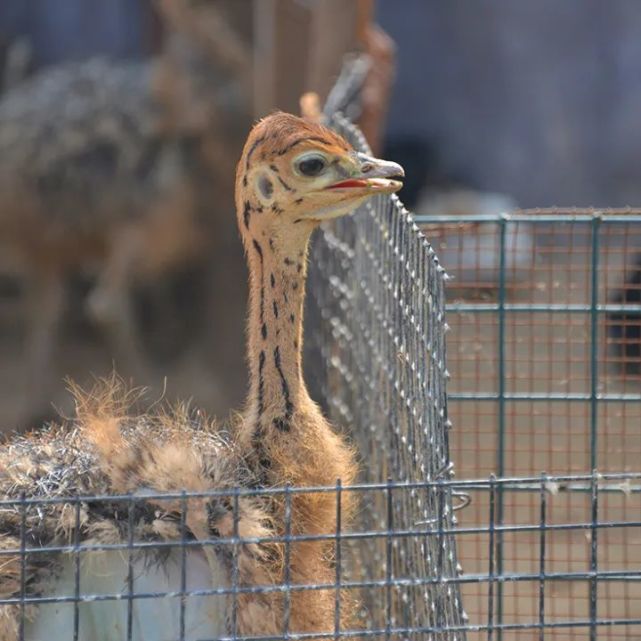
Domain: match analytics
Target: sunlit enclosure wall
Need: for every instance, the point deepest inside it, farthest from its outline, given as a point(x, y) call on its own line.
point(544, 354)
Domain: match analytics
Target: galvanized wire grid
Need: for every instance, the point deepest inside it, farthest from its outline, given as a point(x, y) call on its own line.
point(72, 606)
point(399, 559)
point(597, 575)
point(376, 341)
point(545, 355)
point(544, 556)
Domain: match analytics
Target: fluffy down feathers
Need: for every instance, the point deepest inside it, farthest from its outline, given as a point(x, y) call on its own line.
point(105, 452)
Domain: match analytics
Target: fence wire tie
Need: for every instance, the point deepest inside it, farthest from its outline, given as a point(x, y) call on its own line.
point(464, 499)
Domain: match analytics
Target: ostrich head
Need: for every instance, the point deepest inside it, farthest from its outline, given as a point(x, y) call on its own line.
point(296, 173)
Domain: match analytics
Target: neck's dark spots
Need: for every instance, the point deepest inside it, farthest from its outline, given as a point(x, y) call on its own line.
point(276, 209)
point(289, 407)
point(292, 318)
point(274, 168)
point(259, 251)
point(271, 244)
point(272, 280)
point(298, 220)
point(299, 268)
point(298, 201)
point(275, 310)
point(294, 286)
point(264, 462)
point(282, 424)
point(261, 383)
point(288, 262)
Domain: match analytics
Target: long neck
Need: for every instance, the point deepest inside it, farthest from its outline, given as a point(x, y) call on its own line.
point(277, 291)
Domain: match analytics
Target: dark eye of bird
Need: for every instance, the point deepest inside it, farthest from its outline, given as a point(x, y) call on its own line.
point(312, 165)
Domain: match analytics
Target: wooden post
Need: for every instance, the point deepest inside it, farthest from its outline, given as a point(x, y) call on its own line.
point(299, 46)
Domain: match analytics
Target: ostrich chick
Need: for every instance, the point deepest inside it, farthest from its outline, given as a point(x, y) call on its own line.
point(292, 176)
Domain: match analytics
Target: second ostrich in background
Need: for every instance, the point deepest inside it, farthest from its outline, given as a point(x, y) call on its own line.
point(292, 176)
point(118, 173)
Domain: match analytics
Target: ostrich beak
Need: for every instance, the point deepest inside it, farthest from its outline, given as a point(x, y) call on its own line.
point(373, 175)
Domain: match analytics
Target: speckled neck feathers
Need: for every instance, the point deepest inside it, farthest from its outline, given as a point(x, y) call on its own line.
point(277, 291)
point(272, 205)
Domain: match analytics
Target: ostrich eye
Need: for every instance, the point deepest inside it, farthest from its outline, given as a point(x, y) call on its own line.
point(311, 165)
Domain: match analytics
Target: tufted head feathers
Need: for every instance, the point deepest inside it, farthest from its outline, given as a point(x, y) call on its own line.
point(295, 172)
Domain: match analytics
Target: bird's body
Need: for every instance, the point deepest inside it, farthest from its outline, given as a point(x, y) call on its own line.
point(85, 146)
point(104, 453)
point(292, 176)
point(78, 163)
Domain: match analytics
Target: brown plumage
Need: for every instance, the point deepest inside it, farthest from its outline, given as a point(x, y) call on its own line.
point(118, 171)
point(292, 175)
point(105, 450)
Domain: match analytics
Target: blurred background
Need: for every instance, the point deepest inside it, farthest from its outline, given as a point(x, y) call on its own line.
point(121, 122)
point(120, 125)
point(538, 100)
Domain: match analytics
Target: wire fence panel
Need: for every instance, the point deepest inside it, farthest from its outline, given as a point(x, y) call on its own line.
point(544, 351)
point(158, 584)
point(545, 355)
point(376, 350)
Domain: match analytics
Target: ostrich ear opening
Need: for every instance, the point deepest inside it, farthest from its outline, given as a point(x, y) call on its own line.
point(265, 187)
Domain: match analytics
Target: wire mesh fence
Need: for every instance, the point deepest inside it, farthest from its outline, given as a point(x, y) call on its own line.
point(193, 605)
point(545, 313)
point(376, 349)
point(190, 607)
point(553, 338)
point(397, 563)
point(552, 556)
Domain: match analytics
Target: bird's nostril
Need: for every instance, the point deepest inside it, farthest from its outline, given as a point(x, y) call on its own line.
point(367, 167)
